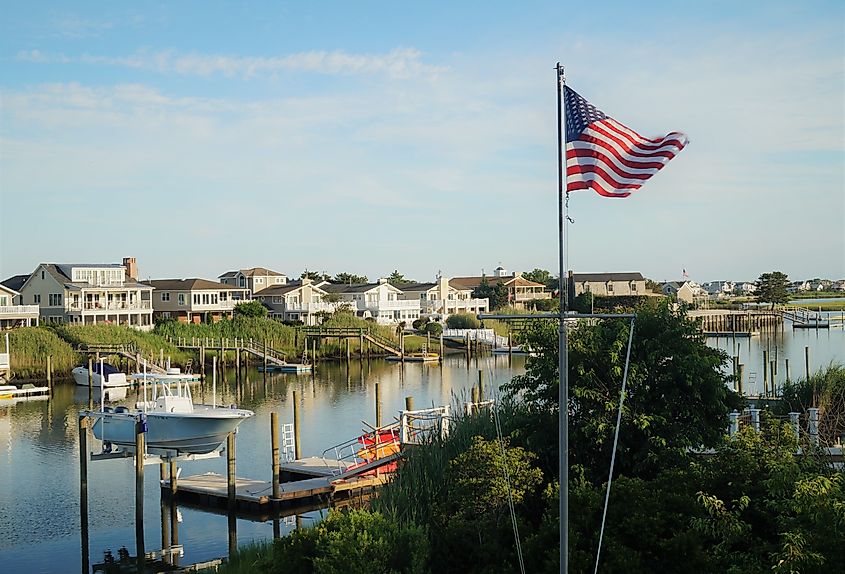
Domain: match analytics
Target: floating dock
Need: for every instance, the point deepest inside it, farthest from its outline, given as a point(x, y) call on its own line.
point(324, 480)
point(286, 368)
point(26, 391)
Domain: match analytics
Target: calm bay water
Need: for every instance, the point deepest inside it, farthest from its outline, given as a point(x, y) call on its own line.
point(39, 465)
point(39, 462)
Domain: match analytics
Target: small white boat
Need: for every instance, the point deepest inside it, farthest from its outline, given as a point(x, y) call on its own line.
point(174, 424)
point(113, 377)
point(515, 350)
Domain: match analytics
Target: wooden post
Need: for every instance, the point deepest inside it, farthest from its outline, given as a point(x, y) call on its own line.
point(409, 403)
point(174, 479)
point(265, 356)
point(230, 471)
point(807, 363)
point(296, 450)
point(314, 352)
point(238, 362)
point(139, 493)
point(441, 347)
point(50, 372)
point(274, 443)
point(480, 385)
point(83, 490)
point(378, 406)
point(786, 368)
point(772, 374)
point(766, 371)
point(474, 397)
point(740, 369)
point(90, 372)
point(348, 352)
point(510, 346)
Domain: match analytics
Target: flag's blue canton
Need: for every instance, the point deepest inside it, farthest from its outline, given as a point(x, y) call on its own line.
point(579, 114)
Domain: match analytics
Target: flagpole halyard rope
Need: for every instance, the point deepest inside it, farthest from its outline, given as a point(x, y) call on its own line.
point(615, 442)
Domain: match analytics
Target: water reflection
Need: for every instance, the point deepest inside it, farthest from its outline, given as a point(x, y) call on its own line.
point(40, 463)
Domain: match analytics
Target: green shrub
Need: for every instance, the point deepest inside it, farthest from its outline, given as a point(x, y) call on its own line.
point(435, 329)
point(462, 321)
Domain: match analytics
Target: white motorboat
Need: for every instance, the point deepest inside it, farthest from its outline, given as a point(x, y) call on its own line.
point(174, 424)
point(172, 375)
point(113, 377)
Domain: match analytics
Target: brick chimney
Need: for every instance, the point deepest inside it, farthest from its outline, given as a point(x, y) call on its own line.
point(131, 266)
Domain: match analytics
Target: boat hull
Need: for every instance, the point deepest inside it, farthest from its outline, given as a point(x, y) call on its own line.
point(199, 432)
point(80, 376)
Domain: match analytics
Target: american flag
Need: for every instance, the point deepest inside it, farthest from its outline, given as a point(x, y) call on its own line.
point(605, 156)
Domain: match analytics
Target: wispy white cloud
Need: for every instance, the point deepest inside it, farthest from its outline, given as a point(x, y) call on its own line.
point(77, 28)
point(397, 63)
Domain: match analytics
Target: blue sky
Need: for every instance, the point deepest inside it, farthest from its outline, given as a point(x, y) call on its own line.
point(371, 136)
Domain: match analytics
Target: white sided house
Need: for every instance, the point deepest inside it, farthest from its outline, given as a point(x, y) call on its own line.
point(87, 294)
point(194, 300)
point(609, 284)
point(379, 301)
point(442, 299)
point(521, 291)
point(254, 279)
point(12, 313)
point(300, 300)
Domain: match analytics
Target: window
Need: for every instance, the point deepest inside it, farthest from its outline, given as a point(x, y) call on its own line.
point(3, 301)
point(224, 295)
point(205, 299)
point(55, 299)
point(165, 295)
point(278, 279)
point(165, 314)
point(181, 299)
point(633, 286)
point(259, 280)
point(242, 282)
point(609, 287)
point(37, 298)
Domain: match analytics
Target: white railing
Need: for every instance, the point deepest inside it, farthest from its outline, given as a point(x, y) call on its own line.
point(20, 310)
point(455, 305)
point(300, 307)
point(113, 306)
point(487, 336)
point(387, 305)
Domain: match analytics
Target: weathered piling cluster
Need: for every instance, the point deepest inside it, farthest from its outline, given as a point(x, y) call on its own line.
point(744, 322)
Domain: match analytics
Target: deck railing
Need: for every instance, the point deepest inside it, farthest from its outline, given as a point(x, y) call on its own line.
point(20, 310)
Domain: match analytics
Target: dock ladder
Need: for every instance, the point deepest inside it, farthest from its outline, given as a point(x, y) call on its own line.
point(288, 443)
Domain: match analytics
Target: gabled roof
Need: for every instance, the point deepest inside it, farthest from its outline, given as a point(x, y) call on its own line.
point(416, 286)
point(228, 275)
point(15, 282)
point(252, 271)
point(9, 290)
point(354, 287)
point(194, 284)
point(284, 289)
point(468, 283)
point(605, 277)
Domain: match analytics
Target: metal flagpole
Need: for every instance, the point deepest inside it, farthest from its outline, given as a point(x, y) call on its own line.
point(563, 359)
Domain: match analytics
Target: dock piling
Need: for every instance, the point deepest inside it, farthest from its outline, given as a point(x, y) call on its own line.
point(409, 403)
point(230, 471)
point(139, 492)
point(297, 454)
point(274, 443)
point(378, 406)
point(83, 490)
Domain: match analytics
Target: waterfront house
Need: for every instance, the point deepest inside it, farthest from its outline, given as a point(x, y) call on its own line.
point(520, 289)
point(688, 291)
point(719, 289)
point(379, 301)
point(442, 298)
point(300, 300)
point(254, 279)
point(609, 284)
point(12, 312)
point(86, 294)
point(194, 300)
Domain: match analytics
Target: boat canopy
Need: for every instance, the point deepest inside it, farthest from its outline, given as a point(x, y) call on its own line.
point(108, 369)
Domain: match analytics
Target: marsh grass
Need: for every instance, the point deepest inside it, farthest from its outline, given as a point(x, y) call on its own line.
point(30, 347)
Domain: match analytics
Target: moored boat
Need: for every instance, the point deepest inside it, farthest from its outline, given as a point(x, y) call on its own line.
point(113, 377)
point(174, 424)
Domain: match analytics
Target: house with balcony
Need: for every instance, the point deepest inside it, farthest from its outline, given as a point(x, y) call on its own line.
point(87, 294)
point(440, 299)
point(609, 284)
point(301, 300)
point(379, 301)
point(254, 279)
point(12, 313)
point(520, 289)
point(194, 300)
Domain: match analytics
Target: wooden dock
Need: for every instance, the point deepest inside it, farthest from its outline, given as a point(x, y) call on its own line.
point(303, 481)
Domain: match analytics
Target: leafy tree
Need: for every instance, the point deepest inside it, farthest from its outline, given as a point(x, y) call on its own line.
point(677, 395)
point(496, 294)
point(397, 279)
point(420, 323)
point(349, 278)
point(435, 329)
point(542, 276)
point(314, 275)
point(771, 288)
point(250, 309)
point(653, 286)
point(462, 321)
